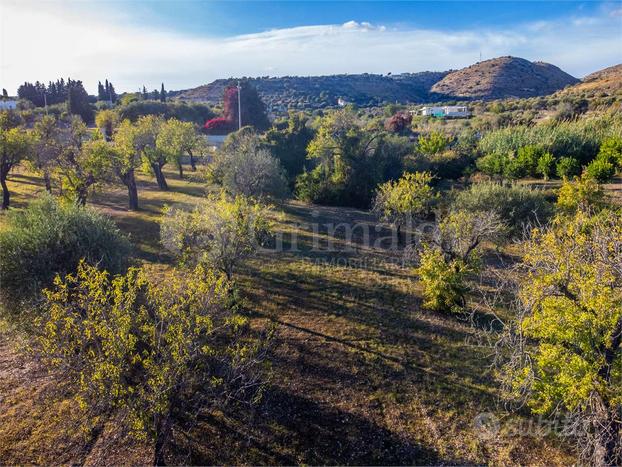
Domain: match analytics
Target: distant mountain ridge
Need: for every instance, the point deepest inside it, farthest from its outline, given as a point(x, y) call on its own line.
point(324, 91)
point(497, 78)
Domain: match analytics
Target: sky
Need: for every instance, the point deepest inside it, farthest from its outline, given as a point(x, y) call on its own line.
point(186, 43)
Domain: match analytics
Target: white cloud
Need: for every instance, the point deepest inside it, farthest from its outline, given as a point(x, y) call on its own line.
point(44, 43)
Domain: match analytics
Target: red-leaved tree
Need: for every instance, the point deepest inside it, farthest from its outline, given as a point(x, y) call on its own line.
point(399, 123)
point(253, 111)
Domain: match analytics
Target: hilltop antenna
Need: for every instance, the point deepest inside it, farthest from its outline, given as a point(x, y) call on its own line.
point(480, 55)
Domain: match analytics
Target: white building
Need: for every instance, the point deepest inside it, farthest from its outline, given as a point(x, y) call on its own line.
point(451, 111)
point(215, 142)
point(8, 105)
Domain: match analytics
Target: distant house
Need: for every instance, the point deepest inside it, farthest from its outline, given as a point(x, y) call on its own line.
point(215, 142)
point(448, 111)
point(342, 102)
point(8, 104)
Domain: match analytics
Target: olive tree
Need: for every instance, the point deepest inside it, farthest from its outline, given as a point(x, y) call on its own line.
point(145, 137)
point(178, 139)
point(47, 149)
point(16, 144)
point(125, 159)
point(137, 143)
point(83, 162)
point(245, 167)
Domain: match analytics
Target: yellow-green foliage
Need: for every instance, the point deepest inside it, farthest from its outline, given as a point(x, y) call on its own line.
point(573, 298)
point(107, 120)
point(584, 194)
point(218, 233)
point(453, 254)
point(443, 280)
point(432, 144)
point(400, 201)
point(133, 346)
point(177, 139)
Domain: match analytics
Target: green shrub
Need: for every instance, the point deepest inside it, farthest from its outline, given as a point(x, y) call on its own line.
point(186, 112)
point(579, 139)
point(48, 238)
point(433, 143)
point(493, 163)
point(315, 187)
point(568, 167)
point(527, 160)
point(546, 164)
point(444, 283)
point(600, 170)
point(218, 233)
point(516, 205)
point(611, 150)
point(581, 194)
point(400, 202)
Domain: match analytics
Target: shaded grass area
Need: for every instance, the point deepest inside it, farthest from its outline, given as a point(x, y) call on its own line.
point(360, 374)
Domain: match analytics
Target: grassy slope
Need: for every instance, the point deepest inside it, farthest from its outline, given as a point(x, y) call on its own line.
point(361, 375)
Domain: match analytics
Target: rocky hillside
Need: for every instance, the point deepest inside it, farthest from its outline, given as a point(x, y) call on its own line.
point(607, 81)
point(325, 91)
point(503, 77)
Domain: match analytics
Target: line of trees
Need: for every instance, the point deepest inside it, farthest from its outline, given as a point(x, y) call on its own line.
point(83, 158)
point(155, 94)
point(106, 92)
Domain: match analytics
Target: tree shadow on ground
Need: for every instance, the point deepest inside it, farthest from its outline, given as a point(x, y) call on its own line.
point(291, 429)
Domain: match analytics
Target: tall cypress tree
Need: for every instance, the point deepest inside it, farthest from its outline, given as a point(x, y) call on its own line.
point(162, 94)
point(101, 91)
point(112, 93)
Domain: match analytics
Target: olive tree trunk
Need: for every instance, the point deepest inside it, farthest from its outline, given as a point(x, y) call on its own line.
point(6, 196)
point(157, 170)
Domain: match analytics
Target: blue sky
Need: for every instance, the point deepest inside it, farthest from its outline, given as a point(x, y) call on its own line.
point(225, 18)
point(188, 43)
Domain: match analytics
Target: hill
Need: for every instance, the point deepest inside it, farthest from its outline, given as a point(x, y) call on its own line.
point(324, 91)
point(503, 77)
point(606, 81)
point(498, 78)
